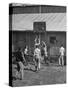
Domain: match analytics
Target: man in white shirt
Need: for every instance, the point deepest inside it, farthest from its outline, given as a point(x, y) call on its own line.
point(61, 58)
point(37, 54)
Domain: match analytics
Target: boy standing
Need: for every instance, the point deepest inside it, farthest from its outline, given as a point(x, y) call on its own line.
point(37, 54)
point(61, 58)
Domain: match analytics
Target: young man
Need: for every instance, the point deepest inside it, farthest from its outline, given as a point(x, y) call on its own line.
point(19, 60)
point(37, 54)
point(61, 58)
point(44, 49)
point(26, 54)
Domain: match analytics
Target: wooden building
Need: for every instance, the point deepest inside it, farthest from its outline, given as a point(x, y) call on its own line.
point(27, 21)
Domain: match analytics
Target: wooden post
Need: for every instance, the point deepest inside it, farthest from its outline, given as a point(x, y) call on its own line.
point(40, 14)
point(39, 38)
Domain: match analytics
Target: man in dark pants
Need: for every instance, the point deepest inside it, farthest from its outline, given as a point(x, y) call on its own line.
point(37, 55)
point(20, 60)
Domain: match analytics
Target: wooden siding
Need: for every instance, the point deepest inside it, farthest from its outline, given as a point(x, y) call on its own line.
point(54, 21)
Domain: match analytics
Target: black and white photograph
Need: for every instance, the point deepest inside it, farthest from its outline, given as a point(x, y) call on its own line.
point(37, 44)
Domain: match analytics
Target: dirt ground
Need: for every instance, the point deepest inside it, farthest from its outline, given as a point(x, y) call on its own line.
point(52, 74)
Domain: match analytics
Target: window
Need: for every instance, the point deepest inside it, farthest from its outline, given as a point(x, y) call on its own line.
point(52, 39)
point(39, 26)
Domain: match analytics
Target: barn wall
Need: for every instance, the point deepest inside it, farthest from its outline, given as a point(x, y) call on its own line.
point(60, 39)
point(24, 17)
point(21, 39)
point(54, 21)
point(18, 39)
